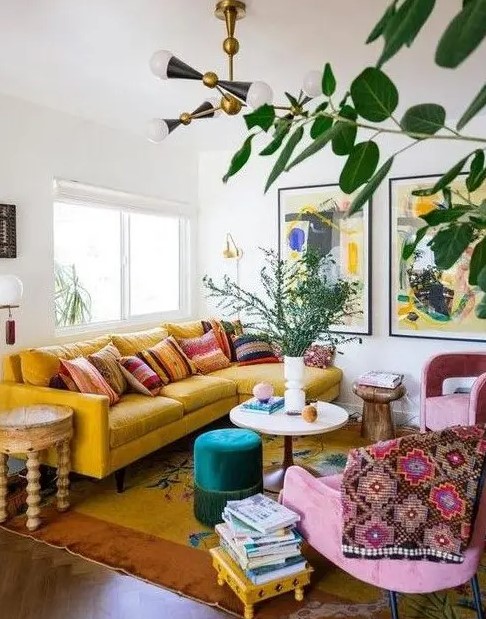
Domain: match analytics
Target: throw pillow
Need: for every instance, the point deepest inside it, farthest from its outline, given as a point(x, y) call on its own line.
point(105, 361)
point(205, 352)
point(319, 356)
point(87, 378)
point(168, 360)
point(225, 331)
point(64, 382)
point(251, 349)
point(140, 376)
point(38, 366)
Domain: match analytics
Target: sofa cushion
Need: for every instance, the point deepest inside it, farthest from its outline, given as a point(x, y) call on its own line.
point(131, 343)
point(198, 391)
point(191, 328)
point(39, 365)
point(316, 381)
point(105, 361)
point(136, 415)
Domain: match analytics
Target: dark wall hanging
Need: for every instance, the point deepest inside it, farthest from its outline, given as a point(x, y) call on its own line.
point(8, 231)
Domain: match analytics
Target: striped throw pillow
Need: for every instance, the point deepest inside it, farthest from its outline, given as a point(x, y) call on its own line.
point(140, 376)
point(205, 352)
point(87, 378)
point(251, 350)
point(105, 361)
point(168, 361)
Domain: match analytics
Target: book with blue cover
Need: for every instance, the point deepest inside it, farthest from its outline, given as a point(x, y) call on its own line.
point(270, 406)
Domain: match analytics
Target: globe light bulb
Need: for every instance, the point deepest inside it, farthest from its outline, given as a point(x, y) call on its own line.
point(157, 130)
point(259, 93)
point(312, 84)
point(159, 63)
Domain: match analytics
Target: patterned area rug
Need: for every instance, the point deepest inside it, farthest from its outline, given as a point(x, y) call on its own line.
point(149, 531)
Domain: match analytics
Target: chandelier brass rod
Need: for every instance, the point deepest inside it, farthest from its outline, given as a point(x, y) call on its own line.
point(205, 113)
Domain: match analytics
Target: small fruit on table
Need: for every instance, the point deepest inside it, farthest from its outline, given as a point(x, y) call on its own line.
point(309, 413)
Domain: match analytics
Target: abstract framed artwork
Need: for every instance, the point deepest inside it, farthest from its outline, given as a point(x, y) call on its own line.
point(316, 217)
point(426, 302)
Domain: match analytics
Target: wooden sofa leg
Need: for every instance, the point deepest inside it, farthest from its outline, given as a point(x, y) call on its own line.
point(120, 480)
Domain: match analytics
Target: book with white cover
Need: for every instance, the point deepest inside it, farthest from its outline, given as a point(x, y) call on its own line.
point(262, 513)
point(240, 529)
point(287, 570)
point(387, 380)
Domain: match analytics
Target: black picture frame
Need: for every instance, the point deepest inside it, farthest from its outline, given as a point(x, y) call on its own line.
point(391, 299)
point(368, 328)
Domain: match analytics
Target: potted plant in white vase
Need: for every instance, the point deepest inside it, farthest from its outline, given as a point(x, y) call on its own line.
point(295, 304)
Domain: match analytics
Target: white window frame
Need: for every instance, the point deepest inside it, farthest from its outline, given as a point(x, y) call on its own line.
point(74, 193)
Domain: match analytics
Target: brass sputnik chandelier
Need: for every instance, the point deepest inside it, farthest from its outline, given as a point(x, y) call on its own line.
point(234, 95)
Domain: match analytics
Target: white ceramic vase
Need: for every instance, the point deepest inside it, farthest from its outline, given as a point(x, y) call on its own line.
point(294, 382)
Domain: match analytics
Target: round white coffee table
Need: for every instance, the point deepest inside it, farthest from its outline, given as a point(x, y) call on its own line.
point(330, 417)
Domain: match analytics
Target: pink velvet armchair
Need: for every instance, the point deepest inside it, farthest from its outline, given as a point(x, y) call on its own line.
point(438, 411)
point(318, 501)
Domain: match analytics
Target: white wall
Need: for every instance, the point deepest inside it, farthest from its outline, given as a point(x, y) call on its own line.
point(241, 207)
point(39, 144)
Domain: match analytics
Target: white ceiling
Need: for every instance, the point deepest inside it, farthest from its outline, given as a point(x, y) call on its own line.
point(90, 57)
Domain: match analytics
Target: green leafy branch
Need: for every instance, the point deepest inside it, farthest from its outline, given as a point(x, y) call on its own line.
point(300, 304)
point(372, 99)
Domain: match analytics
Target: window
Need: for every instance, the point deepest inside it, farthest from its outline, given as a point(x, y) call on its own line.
point(116, 262)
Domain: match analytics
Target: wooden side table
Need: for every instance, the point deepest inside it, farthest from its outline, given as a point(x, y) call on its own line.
point(30, 430)
point(250, 594)
point(377, 423)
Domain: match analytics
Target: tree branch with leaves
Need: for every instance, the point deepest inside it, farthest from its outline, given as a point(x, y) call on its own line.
point(302, 301)
point(369, 104)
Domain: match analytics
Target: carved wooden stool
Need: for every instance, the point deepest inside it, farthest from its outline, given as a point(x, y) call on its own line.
point(30, 430)
point(377, 422)
point(250, 594)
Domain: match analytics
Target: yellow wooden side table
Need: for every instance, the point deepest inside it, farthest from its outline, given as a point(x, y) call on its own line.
point(249, 593)
point(29, 430)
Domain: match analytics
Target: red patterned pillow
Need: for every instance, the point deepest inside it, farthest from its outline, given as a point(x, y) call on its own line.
point(225, 331)
point(319, 356)
point(205, 352)
point(140, 376)
point(87, 378)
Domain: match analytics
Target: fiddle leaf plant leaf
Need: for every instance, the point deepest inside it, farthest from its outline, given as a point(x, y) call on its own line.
point(427, 118)
point(444, 180)
point(441, 216)
point(263, 117)
point(360, 166)
point(284, 156)
point(481, 308)
point(318, 144)
point(482, 278)
point(371, 186)
point(374, 95)
point(321, 123)
point(383, 23)
point(476, 106)
point(404, 25)
point(450, 243)
point(328, 81)
point(345, 134)
point(239, 158)
point(463, 35)
point(478, 262)
point(477, 172)
point(282, 130)
point(410, 246)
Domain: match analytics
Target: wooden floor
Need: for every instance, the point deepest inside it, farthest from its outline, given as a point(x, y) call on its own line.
point(40, 582)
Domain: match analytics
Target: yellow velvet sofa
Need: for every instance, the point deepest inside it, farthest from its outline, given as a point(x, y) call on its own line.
point(107, 439)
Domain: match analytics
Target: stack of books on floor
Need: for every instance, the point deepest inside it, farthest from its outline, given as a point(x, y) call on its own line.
point(268, 407)
point(387, 380)
point(259, 535)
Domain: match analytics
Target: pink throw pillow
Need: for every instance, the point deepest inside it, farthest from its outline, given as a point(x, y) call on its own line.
point(140, 376)
point(87, 378)
point(205, 352)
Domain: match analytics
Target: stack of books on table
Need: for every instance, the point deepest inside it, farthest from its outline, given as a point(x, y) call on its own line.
point(270, 406)
point(259, 535)
point(387, 380)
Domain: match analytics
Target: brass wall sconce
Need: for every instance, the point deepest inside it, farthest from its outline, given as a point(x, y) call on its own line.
point(231, 250)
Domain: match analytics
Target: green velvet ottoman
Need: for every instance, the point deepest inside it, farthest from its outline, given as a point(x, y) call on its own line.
point(227, 467)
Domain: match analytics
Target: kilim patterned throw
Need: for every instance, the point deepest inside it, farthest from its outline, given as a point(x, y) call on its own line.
point(413, 497)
